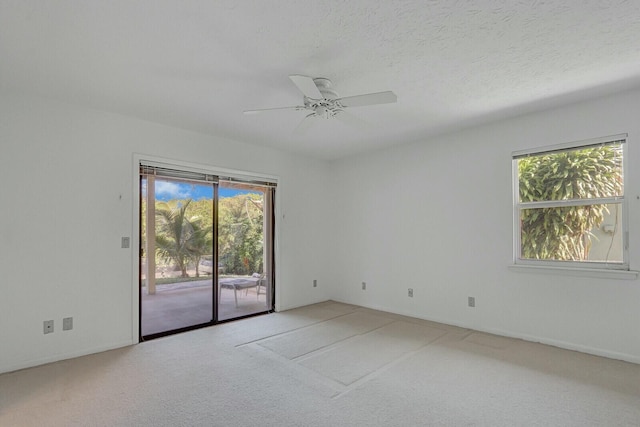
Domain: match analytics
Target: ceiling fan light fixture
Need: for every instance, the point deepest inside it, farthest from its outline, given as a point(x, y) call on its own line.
point(323, 101)
point(322, 112)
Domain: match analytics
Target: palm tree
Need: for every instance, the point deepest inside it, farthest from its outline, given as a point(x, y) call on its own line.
point(179, 238)
point(200, 244)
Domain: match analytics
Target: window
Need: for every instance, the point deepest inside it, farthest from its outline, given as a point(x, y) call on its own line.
point(569, 205)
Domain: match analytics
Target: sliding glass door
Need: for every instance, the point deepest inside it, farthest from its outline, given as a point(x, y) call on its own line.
point(206, 250)
point(244, 248)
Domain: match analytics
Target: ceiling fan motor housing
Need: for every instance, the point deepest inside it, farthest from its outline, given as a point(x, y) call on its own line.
point(325, 87)
point(326, 107)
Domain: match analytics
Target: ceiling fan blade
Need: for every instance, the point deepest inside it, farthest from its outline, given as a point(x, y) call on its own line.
point(351, 120)
point(369, 99)
point(304, 125)
point(297, 107)
point(306, 85)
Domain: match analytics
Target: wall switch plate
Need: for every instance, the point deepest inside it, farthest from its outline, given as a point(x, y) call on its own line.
point(471, 301)
point(364, 286)
point(47, 326)
point(67, 323)
point(315, 283)
point(125, 242)
point(410, 293)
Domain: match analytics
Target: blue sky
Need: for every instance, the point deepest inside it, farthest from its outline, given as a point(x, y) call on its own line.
point(168, 190)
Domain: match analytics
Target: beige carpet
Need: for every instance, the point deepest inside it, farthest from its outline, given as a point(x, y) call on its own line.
point(329, 364)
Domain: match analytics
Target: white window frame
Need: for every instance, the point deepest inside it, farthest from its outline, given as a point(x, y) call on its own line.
point(518, 206)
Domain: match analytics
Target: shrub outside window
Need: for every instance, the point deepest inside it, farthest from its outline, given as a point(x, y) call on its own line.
point(569, 205)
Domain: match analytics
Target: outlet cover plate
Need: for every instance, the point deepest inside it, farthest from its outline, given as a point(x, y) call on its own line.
point(471, 301)
point(47, 326)
point(67, 323)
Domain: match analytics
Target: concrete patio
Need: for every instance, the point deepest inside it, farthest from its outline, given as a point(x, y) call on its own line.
point(184, 304)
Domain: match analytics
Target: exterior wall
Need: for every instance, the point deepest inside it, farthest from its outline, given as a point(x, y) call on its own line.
point(602, 247)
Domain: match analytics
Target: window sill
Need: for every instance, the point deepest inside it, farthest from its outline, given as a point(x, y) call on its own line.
point(579, 272)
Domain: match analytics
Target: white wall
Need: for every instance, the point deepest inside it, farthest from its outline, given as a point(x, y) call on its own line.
point(379, 219)
point(66, 179)
point(436, 216)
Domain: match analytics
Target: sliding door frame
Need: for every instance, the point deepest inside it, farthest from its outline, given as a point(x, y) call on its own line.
point(174, 164)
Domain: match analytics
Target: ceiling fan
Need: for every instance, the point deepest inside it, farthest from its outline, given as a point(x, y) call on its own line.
point(322, 101)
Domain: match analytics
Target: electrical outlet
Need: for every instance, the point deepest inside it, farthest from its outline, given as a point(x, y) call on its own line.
point(125, 242)
point(315, 283)
point(364, 286)
point(47, 326)
point(67, 323)
point(410, 293)
point(471, 301)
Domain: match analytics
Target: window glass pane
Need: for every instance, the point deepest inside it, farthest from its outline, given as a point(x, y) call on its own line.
point(244, 265)
point(591, 233)
point(176, 288)
point(583, 173)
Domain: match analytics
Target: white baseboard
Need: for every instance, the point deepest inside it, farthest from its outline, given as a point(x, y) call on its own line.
point(510, 334)
point(531, 338)
point(64, 356)
point(568, 346)
point(291, 307)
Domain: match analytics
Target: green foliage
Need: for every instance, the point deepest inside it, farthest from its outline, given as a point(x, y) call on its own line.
point(564, 233)
point(201, 212)
point(180, 237)
point(240, 233)
point(184, 233)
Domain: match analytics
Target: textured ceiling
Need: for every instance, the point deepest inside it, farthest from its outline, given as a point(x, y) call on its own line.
point(199, 64)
